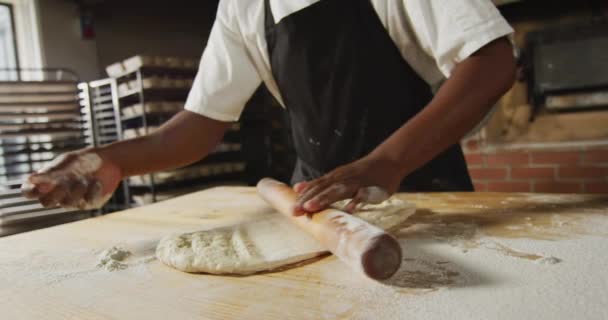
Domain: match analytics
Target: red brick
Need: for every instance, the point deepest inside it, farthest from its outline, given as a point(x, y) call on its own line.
point(480, 186)
point(509, 158)
point(474, 159)
point(509, 186)
point(472, 144)
point(533, 173)
point(583, 172)
point(596, 156)
point(596, 187)
point(555, 157)
point(488, 173)
point(558, 187)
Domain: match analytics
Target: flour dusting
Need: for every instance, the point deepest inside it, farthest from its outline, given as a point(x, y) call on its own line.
point(417, 277)
point(113, 259)
point(549, 260)
point(374, 195)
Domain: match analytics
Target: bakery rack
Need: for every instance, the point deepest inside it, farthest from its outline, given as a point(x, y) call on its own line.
point(40, 118)
point(99, 101)
point(149, 91)
point(18, 214)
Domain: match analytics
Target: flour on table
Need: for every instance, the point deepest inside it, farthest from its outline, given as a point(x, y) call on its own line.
point(113, 259)
point(385, 215)
point(549, 260)
point(261, 245)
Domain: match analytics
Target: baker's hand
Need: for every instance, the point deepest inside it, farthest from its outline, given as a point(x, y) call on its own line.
point(368, 180)
point(80, 179)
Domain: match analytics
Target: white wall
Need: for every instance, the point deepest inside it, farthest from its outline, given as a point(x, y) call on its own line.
point(61, 42)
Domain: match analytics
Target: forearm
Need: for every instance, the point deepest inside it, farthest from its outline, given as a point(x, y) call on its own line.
point(184, 139)
point(462, 102)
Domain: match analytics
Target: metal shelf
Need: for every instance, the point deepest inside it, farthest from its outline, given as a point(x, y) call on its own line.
point(184, 72)
point(18, 214)
point(146, 83)
point(60, 149)
point(28, 141)
point(38, 118)
point(100, 105)
point(139, 117)
point(173, 92)
point(104, 100)
point(186, 183)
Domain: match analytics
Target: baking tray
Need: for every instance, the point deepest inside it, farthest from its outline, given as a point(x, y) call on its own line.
point(40, 126)
point(38, 141)
point(73, 115)
point(39, 107)
point(148, 198)
point(37, 87)
point(41, 98)
point(141, 131)
point(140, 61)
point(153, 107)
point(18, 159)
point(40, 148)
point(44, 135)
point(131, 87)
point(188, 173)
point(137, 132)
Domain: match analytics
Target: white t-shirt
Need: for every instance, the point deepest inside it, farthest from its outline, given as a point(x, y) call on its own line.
point(432, 35)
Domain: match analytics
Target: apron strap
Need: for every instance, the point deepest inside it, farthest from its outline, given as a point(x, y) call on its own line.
point(269, 25)
point(268, 17)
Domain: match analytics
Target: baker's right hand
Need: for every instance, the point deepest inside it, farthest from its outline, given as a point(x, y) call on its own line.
point(80, 179)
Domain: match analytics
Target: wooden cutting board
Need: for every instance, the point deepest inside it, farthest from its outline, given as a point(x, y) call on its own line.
point(480, 255)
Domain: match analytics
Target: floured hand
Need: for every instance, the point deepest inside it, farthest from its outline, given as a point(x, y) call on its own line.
point(80, 179)
point(367, 180)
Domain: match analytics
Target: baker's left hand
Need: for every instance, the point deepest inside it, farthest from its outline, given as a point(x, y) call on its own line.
point(367, 180)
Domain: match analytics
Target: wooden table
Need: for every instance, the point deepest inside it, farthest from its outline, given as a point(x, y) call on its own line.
point(466, 256)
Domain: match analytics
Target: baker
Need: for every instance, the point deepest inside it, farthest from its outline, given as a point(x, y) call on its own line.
point(355, 78)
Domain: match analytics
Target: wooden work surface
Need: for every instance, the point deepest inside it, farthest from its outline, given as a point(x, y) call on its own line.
point(478, 255)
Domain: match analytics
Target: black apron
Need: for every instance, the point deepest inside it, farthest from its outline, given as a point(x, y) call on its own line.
point(347, 88)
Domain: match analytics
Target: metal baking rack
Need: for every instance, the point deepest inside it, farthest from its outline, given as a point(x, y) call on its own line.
point(18, 214)
point(40, 118)
point(99, 101)
point(149, 91)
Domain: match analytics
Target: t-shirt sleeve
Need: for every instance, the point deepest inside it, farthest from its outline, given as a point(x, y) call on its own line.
point(452, 30)
point(227, 77)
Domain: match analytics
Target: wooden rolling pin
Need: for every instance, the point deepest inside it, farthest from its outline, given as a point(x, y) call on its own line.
point(360, 245)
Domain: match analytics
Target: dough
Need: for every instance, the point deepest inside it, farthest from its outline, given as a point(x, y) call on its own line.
point(261, 245)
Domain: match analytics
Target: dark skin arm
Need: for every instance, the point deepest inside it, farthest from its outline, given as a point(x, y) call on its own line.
point(184, 139)
point(465, 98)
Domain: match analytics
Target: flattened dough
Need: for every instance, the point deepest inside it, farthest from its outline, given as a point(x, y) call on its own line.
point(261, 245)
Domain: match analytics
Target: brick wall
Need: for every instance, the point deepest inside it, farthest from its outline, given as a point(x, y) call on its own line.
point(576, 169)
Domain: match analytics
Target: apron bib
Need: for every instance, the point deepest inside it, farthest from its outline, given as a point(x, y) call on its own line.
point(347, 88)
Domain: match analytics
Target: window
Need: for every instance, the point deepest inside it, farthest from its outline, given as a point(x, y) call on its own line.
point(8, 47)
